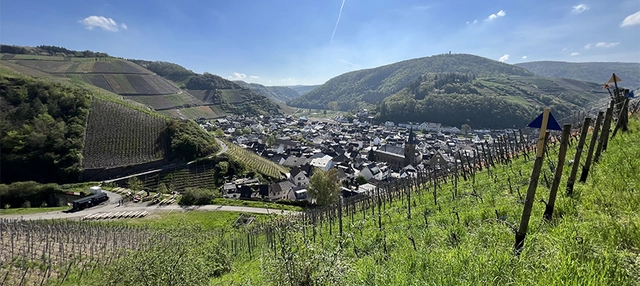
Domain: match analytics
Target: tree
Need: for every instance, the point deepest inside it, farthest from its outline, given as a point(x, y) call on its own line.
point(162, 189)
point(135, 184)
point(361, 180)
point(324, 187)
point(465, 128)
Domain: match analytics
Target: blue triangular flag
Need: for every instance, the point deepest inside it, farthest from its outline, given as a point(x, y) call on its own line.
point(551, 125)
point(631, 95)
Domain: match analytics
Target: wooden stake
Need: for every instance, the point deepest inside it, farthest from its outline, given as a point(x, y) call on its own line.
point(576, 160)
point(533, 184)
point(592, 146)
point(605, 132)
point(548, 212)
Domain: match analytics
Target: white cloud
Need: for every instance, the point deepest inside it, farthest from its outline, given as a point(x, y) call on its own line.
point(564, 49)
point(524, 57)
point(101, 22)
point(237, 76)
point(587, 46)
point(633, 19)
point(504, 58)
point(580, 8)
point(606, 45)
point(124, 26)
point(500, 13)
point(254, 76)
point(575, 54)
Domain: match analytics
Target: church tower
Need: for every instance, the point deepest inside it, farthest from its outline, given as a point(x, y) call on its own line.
point(410, 149)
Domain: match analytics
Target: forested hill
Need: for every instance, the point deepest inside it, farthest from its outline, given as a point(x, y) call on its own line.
point(59, 130)
point(346, 91)
point(279, 94)
point(598, 72)
point(493, 102)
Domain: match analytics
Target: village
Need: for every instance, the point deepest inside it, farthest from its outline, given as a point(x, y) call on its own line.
point(364, 154)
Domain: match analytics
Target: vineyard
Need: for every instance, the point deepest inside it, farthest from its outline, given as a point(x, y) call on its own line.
point(254, 162)
point(85, 253)
point(199, 112)
point(118, 135)
point(32, 252)
point(159, 102)
point(448, 226)
point(459, 228)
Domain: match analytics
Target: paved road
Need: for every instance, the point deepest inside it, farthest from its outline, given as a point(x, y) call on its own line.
point(112, 206)
point(223, 147)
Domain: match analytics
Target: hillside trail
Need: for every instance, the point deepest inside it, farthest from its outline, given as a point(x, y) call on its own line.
point(112, 206)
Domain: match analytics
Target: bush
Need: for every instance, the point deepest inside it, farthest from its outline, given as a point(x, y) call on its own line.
point(198, 196)
point(29, 194)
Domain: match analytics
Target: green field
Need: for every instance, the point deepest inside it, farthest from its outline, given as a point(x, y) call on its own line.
point(255, 162)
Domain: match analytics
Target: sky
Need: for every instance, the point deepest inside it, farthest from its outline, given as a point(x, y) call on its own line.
point(290, 42)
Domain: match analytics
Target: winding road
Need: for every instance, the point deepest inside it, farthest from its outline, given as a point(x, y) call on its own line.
point(112, 206)
point(223, 147)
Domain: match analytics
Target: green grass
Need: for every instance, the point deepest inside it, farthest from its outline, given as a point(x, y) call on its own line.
point(254, 204)
point(25, 211)
point(206, 220)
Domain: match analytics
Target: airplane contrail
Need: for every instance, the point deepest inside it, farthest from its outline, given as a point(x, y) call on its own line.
point(338, 21)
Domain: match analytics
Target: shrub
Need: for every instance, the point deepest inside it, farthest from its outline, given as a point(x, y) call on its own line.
point(197, 196)
point(29, 194)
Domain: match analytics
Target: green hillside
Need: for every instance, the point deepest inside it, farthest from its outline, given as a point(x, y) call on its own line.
point(496, 102)
point(163, 86)
point(211, 95)
point(598, 72)
point(55, 129)
point(368, 86)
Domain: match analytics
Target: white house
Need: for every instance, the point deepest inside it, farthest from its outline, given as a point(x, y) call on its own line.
point(301, 179)
point(324, 163)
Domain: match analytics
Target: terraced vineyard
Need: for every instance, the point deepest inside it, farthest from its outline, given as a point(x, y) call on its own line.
point(255, 162)
point(126, 78)
point(159, 102)
point(120, 136)
point(198, 112)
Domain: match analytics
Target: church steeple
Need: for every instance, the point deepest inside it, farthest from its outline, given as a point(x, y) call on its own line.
point(410, 149)
point(412, 137)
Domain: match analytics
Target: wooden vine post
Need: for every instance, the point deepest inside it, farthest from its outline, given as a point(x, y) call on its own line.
point(533, 184)
point(564, 142)
point(592, 145)
point(576, 160)
point(605, 132)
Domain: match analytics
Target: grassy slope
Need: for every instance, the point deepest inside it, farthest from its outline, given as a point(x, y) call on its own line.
point(593, 240)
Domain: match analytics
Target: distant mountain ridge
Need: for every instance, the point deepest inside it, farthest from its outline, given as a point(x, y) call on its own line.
point(346, 91)
point(302, 89)
point(598, 72)
point(279, 94)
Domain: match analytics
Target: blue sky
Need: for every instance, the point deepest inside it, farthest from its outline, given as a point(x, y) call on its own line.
point(286, 42)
